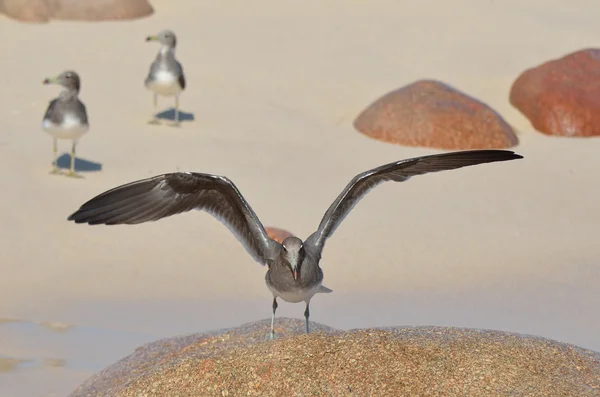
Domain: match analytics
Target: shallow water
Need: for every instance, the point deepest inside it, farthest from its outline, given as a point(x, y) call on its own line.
point(53, 358)
point(40, 359)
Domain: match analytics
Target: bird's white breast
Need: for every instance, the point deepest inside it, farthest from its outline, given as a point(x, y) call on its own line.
point(296, 295)
point(71, 128)
point(165, 84)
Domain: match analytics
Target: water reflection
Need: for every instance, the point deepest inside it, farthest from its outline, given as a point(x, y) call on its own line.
point(55, 362)
point(56, 326)
point(8, 364)
point(9, 320)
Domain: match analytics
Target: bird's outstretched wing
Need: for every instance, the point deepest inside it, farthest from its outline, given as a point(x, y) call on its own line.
point(169, 194)
point(399, 171)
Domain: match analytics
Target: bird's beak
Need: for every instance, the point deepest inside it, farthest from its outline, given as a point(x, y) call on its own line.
point(49, 80)
point(151, 38)
point(295, 274)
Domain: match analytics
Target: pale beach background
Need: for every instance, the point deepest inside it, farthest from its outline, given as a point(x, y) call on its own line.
point(273, 88)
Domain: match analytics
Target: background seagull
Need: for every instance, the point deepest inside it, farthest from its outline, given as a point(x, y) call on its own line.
point(165, 77)
point(66, 116)
point(293, 274)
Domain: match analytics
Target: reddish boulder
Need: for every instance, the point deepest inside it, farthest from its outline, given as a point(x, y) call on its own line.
point(431, 114)
point(562, 96)
point(278, 234)
point(81, 10)
point(26, 10)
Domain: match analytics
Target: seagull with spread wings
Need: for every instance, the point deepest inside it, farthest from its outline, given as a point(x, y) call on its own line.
point(293, 274)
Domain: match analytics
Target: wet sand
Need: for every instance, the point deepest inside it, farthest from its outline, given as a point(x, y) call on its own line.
point(503, 246)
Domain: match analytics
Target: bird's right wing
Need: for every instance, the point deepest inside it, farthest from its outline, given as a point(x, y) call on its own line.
point(169, 194)
point(50, 109)
point(154, 67)
point(398, 171)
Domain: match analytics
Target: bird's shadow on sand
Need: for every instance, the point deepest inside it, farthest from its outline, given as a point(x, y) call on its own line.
point(169, 114)
point(64, 162)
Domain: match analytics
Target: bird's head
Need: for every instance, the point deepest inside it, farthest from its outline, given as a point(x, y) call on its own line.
point(69, 79)
point(165, 37)
point(292, 251)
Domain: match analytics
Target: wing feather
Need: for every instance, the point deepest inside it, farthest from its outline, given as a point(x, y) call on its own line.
point(169, 194)
point(398, 171)
point(181, 77)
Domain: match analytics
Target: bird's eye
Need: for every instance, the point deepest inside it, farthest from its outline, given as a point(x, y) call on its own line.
point(68, 75)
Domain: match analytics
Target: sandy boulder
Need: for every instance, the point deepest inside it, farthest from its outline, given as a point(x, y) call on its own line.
point(81, 10)
point(402, 361)
point(562, 96)
point(432, 114)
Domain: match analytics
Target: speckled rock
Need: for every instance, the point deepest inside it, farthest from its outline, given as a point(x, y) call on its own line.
point(562, 96)
point(278, 234)
point(81, 10)
point(431, 114)
point(401, 361)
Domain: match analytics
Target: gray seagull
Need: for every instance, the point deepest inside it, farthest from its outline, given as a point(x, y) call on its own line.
point(66, 116)
point(165, 77)
point(293, 274)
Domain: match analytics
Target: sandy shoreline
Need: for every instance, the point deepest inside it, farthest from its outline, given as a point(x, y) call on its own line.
point(281, 89)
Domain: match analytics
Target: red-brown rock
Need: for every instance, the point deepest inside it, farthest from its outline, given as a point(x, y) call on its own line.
point(431, 114)
point(81, 10)
point(562, 96)
point(278, 234)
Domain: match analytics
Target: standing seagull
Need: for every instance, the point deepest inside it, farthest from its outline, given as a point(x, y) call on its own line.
point(66, 116)
point(166, 74)
point(293, 271)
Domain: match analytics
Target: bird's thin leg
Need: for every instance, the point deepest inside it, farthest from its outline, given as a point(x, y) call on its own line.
point(55, 162)
point(176, 122)
point(154, 119)
point(306, 315)
point(73, 158)
point(72, 170)
point(272, 332)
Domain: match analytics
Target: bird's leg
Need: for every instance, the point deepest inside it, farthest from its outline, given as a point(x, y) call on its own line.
point(176, 122)
point(72, 173)
point(154, 119)
point(55, 162)
point(306, 315)
point(271, 335)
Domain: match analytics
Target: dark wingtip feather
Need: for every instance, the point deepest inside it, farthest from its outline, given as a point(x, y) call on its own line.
point(77, 217)
point(506, 155)
point(74, 217)
point(489, 154)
